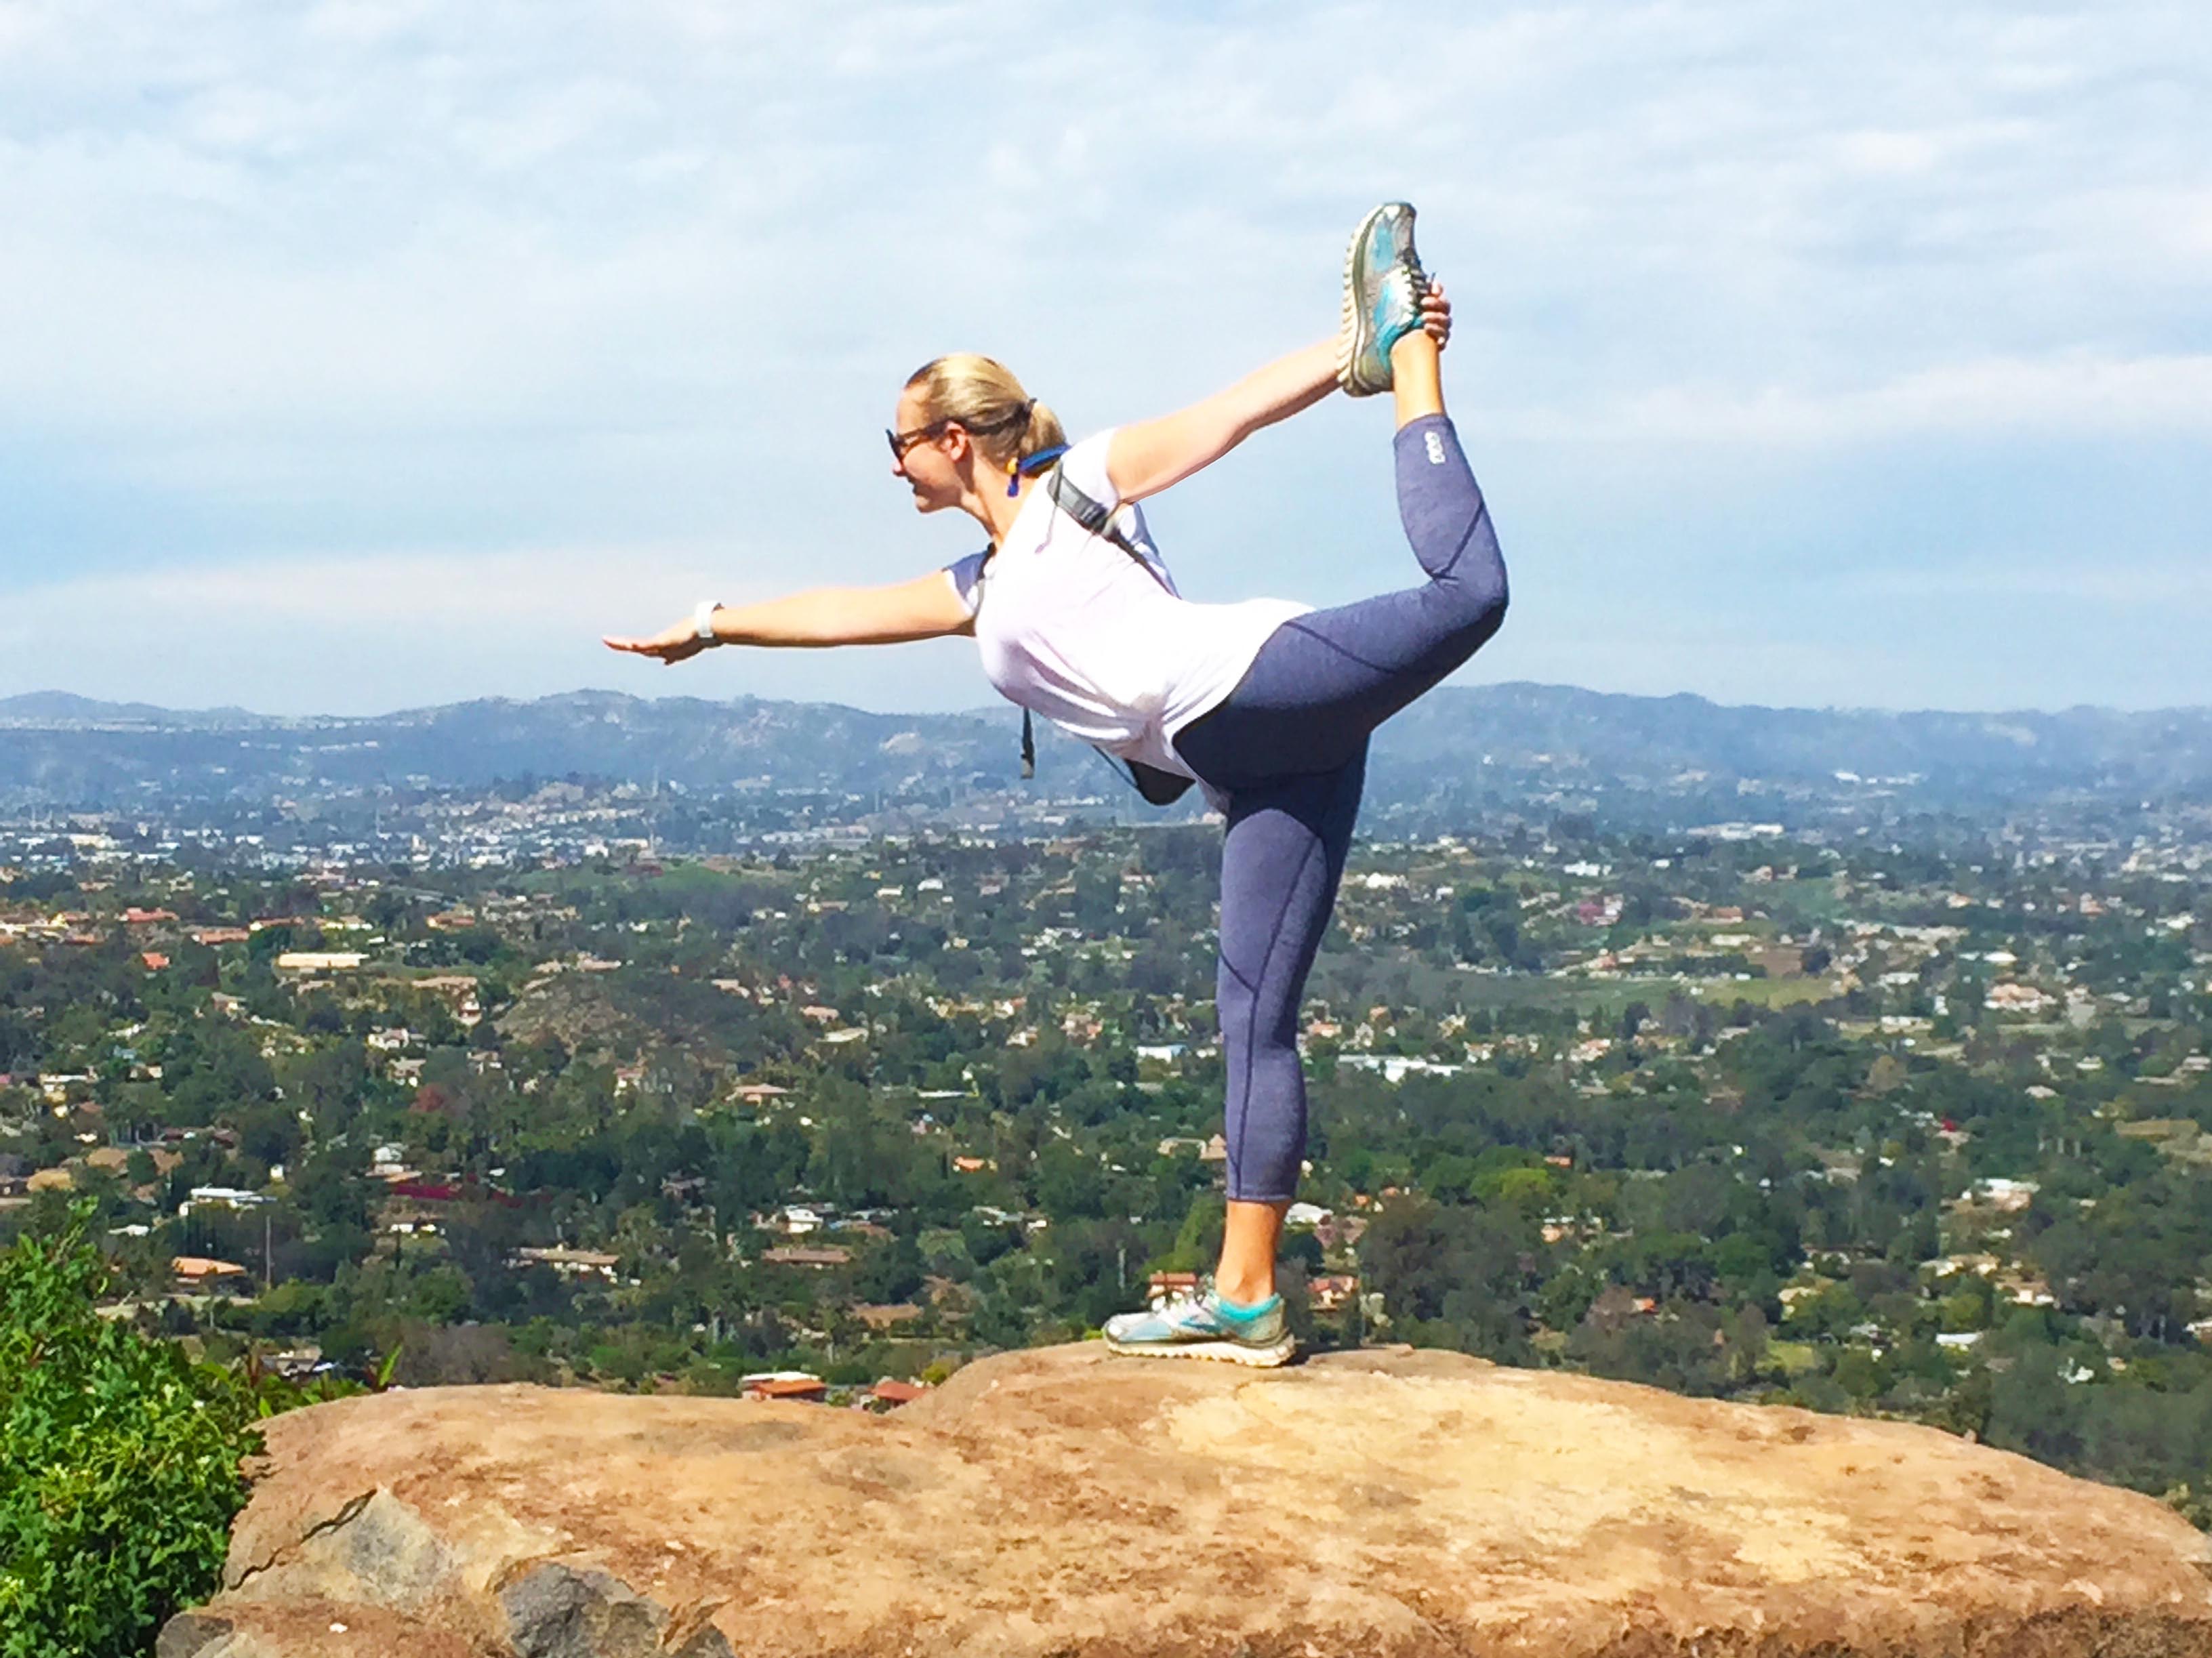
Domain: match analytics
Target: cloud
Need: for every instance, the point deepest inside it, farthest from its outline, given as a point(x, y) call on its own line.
point(364, 635)
point(398, 215)
point(2164, 593)
point(352, 279)
point(2070, 392)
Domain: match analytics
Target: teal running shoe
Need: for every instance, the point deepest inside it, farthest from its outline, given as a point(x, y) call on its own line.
point(1200, 1327)
point(1383, 283)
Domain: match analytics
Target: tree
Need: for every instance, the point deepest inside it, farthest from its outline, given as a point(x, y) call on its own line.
point(1459, 1268)
point(120, 1463)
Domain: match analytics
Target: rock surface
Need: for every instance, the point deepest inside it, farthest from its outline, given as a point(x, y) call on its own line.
point(1061, 1502)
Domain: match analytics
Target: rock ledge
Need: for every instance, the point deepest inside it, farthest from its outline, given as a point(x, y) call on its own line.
point(1062, 1503)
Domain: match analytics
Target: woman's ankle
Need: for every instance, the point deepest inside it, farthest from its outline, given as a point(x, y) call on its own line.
point(1416, 376)
point(1243, 1292)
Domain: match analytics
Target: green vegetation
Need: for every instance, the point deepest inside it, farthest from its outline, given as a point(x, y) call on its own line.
point(1921, 1131)
point(120, 1463)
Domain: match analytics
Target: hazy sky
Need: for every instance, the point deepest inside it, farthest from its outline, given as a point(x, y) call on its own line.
point(372, 354)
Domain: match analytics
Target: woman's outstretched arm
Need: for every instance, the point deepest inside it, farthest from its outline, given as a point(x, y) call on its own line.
point(1145, 459)
point(926, 608)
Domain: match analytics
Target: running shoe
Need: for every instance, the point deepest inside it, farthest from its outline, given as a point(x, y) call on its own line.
point(1383, 282)
point(1199, 1326)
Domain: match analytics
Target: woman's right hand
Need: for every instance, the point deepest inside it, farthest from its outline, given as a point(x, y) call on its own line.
point(1435, 313)
point(679, 642)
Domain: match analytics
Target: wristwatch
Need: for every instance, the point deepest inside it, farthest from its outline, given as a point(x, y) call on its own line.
point(703, 618)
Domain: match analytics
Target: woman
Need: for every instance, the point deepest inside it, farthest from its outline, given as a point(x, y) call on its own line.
point(1267, 704)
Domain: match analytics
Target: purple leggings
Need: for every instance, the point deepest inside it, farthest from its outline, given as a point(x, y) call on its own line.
point(1288, 748)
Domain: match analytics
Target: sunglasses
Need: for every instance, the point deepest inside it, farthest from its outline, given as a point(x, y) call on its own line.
point(901, 442)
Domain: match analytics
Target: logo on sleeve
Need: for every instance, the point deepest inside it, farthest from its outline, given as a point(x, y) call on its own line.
point(1435, 447)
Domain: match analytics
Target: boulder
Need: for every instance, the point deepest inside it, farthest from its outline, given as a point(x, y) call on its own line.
point(1063, 1502)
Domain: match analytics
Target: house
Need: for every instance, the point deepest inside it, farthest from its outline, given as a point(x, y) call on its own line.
point(889, 1315)
point(319, 960)
point(1331, 1291)
point(826, 1255)
point(1163, 1287)
point(200, 1275)
point(2008, 1196)
point(890, 1392)
point(787, 1385)
point(1340, 1232)
point(2012, 998)
point(569, 1263)
point(222, 1197)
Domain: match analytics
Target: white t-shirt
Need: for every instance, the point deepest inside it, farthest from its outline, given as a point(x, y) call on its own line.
point(1071, 627)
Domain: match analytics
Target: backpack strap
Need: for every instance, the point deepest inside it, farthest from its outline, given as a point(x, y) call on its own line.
point(1159, 788)
point(1095, 519)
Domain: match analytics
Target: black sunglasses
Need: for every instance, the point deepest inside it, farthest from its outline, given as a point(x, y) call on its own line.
point(903, 442)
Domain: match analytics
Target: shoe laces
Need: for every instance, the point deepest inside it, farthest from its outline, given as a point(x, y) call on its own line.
point(1417, 278)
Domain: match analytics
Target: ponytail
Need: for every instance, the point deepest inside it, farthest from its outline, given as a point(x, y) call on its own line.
point(1011, 429)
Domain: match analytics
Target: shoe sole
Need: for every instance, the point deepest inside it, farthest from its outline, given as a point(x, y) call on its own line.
point(1354, 329)
point(1229, 1352)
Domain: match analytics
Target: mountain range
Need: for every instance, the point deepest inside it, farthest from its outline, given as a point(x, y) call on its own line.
point(1681, 759)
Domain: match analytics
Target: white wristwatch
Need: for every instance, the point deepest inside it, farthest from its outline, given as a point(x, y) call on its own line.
point(703, 619)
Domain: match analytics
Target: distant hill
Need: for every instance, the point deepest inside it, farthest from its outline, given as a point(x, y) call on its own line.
point(1521, 747)
point(1943, 756)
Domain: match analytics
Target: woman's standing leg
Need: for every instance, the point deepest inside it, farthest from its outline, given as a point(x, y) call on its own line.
point(1281, 860)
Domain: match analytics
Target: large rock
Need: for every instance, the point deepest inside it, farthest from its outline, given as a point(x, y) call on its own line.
point(1061, 1502)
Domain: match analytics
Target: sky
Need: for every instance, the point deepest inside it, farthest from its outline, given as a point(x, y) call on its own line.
point(372, 354)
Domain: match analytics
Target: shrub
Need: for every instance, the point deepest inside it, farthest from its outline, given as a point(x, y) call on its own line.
point(120, 1462)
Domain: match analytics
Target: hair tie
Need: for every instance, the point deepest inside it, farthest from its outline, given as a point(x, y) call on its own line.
point(1020, 420)
point(1027, 465)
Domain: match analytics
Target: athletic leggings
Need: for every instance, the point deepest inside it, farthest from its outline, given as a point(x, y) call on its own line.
point(1287, 750)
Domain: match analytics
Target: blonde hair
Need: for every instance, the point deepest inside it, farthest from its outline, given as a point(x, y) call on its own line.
point(1007, 424)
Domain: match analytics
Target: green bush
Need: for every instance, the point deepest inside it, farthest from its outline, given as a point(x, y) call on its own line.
point(120, 1463)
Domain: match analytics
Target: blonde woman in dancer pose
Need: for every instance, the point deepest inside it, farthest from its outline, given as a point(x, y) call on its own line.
point(1267, 704)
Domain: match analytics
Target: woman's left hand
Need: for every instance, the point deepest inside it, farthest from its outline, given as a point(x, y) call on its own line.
point(1435, 313)
point(679, 642)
